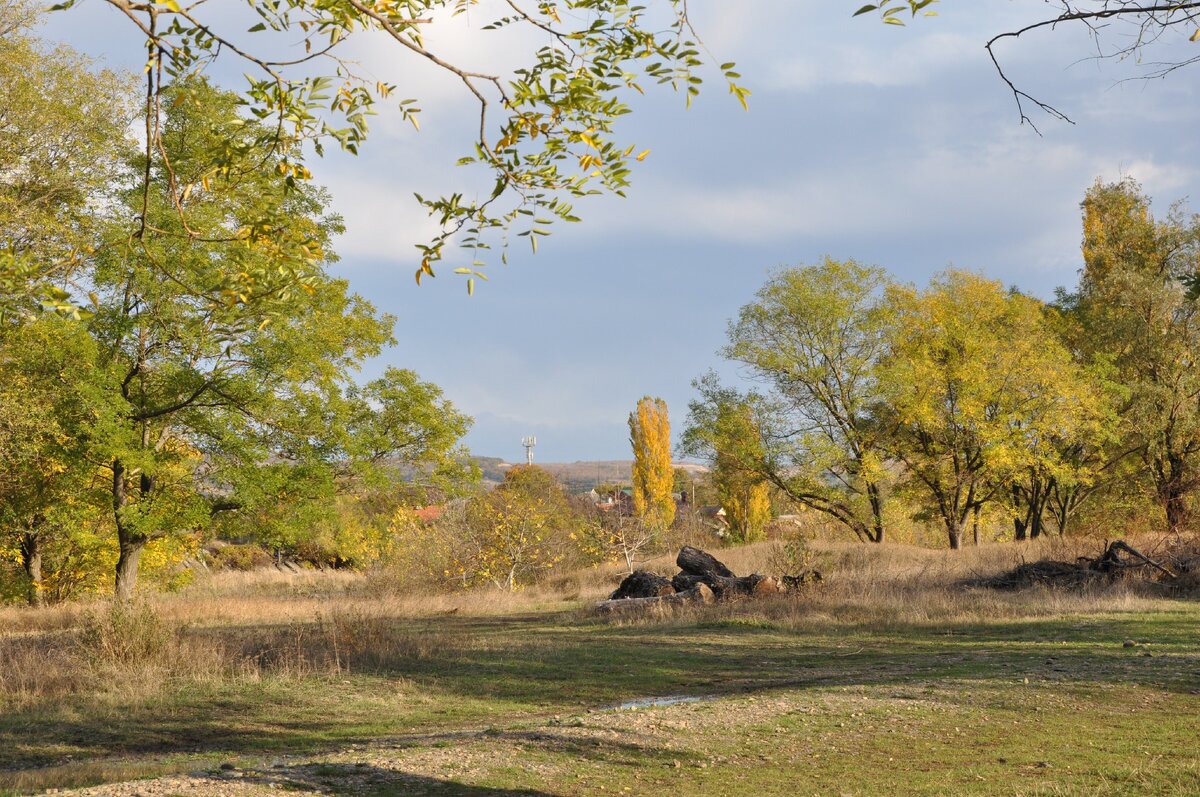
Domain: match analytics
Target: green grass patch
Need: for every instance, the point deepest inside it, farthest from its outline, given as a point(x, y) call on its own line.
point(507, 705)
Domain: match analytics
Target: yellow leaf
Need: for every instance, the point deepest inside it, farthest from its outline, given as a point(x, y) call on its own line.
point(642, 155)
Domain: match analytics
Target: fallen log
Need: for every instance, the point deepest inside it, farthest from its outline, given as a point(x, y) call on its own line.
point(697, 595)
point(643, 584)
point(725, 588)
point(700, 563)
point(1110, 561)
point(685, 581)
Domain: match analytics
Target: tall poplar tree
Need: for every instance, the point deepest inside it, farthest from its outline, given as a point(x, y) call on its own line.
point(653, 477)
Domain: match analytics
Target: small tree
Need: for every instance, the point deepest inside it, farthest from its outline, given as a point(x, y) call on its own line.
point(52, 414)
point(653, 476)
point(723, 429)
point(626, 538)
point(517, 532)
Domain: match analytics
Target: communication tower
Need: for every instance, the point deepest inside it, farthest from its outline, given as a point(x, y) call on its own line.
point(529, 443)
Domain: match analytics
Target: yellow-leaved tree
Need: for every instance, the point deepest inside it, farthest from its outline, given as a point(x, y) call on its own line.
point(744, 493)
point(1137, 318)
point(653, 477)
point(724, 429)
point(983, 397)
point(508, 538)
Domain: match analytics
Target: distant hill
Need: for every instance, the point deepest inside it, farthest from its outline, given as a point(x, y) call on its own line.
point(577, 477)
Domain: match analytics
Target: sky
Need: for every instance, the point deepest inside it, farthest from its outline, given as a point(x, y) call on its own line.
point(894, 146)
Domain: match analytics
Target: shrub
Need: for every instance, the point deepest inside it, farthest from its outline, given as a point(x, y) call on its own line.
point(126, 634)
point(236, 556)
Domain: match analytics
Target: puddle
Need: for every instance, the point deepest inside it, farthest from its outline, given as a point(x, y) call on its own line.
point(651, 702)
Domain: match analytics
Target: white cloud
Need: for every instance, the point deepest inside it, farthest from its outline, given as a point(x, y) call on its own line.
point(918, 60)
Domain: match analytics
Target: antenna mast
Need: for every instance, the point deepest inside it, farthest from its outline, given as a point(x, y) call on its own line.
point(529, 443)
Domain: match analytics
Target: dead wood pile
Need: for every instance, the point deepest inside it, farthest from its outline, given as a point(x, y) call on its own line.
point(702, 578)
point(1175, 569)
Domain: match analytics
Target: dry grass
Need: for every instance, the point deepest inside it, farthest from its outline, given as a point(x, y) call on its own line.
point(271, 624)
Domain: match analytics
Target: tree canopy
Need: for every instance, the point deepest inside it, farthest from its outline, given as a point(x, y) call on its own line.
point(547, 133)
point(813, 336)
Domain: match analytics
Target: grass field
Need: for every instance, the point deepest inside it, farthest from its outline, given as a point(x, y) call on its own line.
point(892, 678)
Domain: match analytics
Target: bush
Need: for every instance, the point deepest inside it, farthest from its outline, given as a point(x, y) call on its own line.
point(126, 634)
point(236, 556)
point(519, 533)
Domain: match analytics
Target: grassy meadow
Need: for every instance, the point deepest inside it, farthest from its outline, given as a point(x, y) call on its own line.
point(892, 676)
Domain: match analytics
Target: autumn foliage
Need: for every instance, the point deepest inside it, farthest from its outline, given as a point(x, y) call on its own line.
point(653, 476)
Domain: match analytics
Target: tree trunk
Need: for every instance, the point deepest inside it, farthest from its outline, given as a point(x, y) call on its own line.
point(876, 500)
point(127, 568)
point(642, 584)
point(31, 561)
point(1063, 518)
point(699, 594)
point(1177, 510)
point(130, 545)
point(1020, 524)
point(954, 532)
point(1172, 491)
point(1035, 525)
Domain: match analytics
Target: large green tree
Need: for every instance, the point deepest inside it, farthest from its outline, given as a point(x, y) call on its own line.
point(211, 371)
point(814, 336)
point(230, 342)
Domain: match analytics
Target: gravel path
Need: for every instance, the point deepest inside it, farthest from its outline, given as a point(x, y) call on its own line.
point(562, 750)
